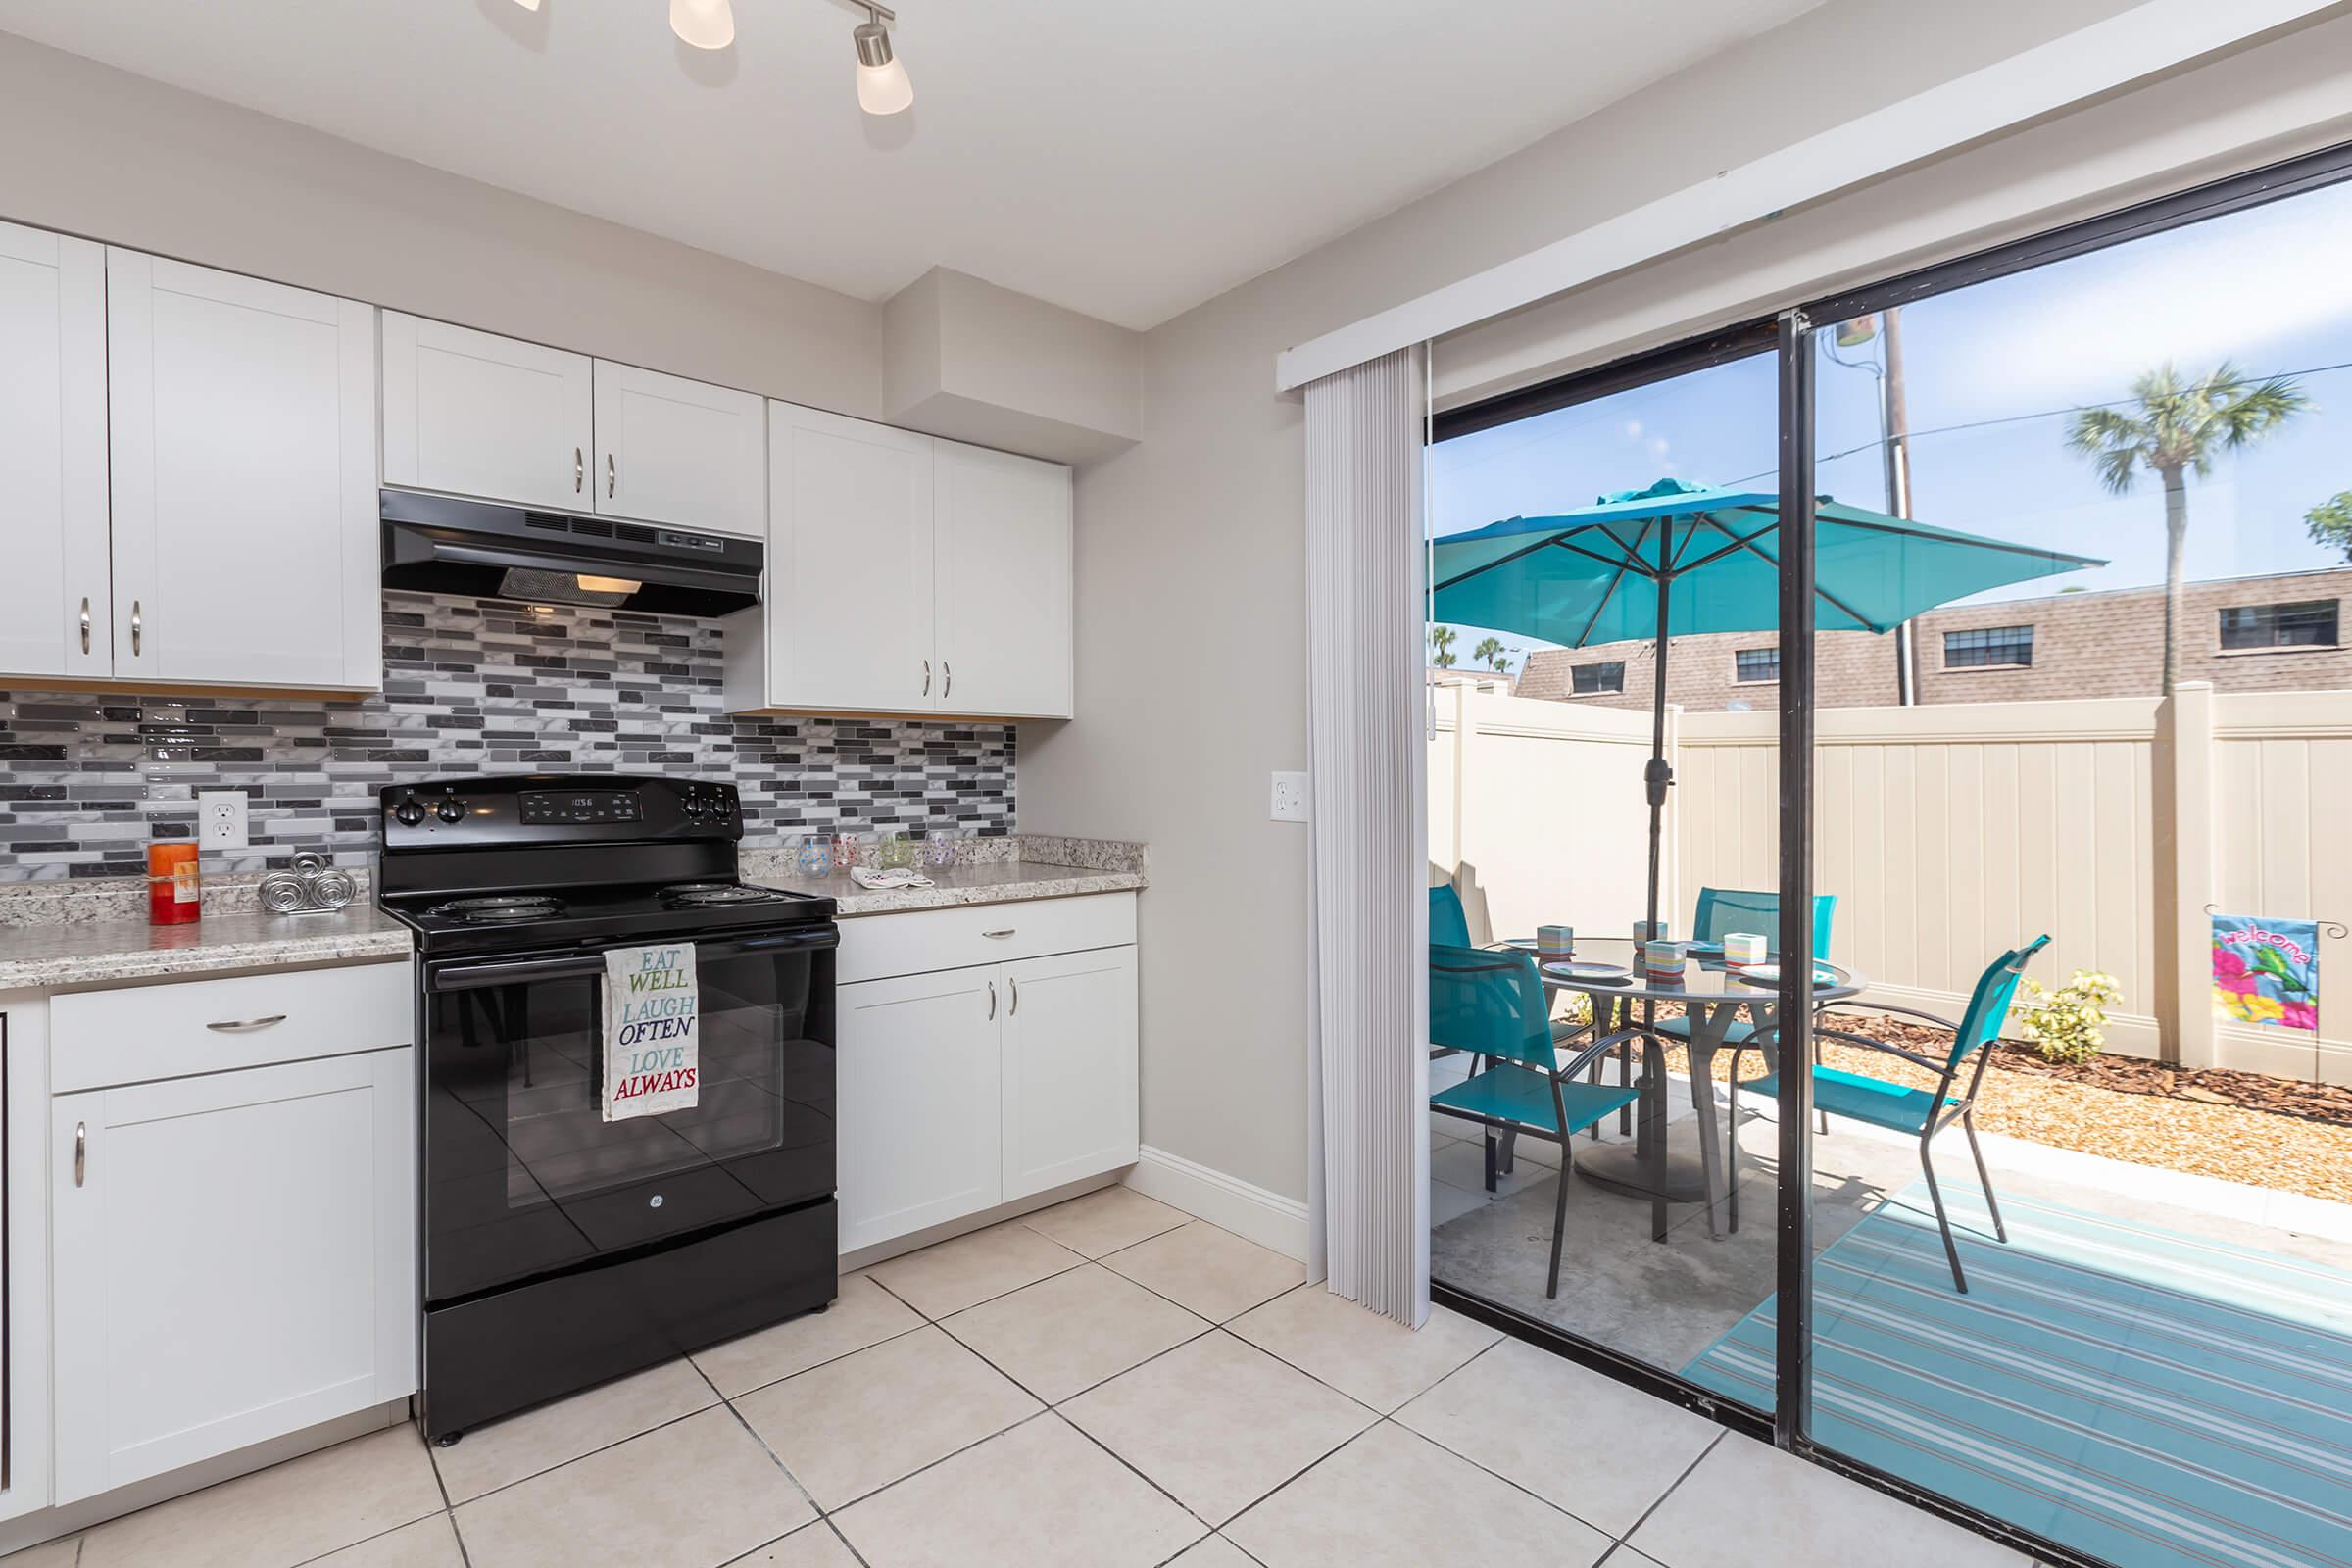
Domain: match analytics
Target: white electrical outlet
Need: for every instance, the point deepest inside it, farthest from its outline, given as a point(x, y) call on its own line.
point(221, 820)
point(1290, 797)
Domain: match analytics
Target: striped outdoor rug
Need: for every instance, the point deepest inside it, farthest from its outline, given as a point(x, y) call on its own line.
point(2152, 1399)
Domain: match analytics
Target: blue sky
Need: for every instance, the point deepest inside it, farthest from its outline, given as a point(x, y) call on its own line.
point(2269, 288)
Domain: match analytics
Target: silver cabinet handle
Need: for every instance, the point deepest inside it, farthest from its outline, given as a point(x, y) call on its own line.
point(926, 677)
point(246, 1025)
point(992, 999)
point(134, 628)
point(612, 476)
point(1015, 1009)
point(81, 1151)
point(949, 671)
point(579, 469)
point(999, 936)
point(86, 623)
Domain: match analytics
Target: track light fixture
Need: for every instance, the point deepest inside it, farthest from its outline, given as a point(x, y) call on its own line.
point(703, 23)
point(882, 84)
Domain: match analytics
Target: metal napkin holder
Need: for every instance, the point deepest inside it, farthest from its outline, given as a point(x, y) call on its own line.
point(310, 887)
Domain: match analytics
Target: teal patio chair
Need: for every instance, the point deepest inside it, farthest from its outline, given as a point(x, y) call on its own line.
point(1903, 1109)
point(1449, 926)
point(1724, 911)
point(1492, 1005)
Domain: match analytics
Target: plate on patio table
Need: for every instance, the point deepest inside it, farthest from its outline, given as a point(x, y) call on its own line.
point(1522, 944)
point(1769, 974)
point(1592, 973)
point(1703, 950)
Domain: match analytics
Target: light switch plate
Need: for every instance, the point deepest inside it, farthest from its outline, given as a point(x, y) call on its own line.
point(1290, 797)
point(221, 820)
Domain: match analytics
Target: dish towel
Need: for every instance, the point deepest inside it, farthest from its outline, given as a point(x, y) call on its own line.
point(651, 1051)
point(874, 881)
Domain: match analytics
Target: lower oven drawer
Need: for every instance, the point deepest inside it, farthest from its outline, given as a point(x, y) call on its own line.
point(102, 1038)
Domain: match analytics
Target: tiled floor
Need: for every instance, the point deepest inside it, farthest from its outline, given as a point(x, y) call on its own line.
point(1103, 1385)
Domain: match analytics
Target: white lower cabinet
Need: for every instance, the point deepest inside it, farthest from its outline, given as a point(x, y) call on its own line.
point(1069, 1069)
point(233, 1259)
point(964, 1088)
point(918, 1080)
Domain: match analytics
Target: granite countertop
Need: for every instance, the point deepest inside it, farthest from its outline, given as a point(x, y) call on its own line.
point(51, 957)
point(987, 882)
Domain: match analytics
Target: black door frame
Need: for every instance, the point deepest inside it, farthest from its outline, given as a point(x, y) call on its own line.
point(1788, 336)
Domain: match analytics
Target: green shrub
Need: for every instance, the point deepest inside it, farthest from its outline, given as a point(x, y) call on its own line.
point(2069, 1024)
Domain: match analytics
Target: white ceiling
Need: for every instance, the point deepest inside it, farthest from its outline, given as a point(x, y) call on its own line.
point(1125, 158)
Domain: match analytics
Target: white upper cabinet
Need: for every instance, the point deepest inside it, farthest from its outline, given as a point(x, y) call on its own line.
point(1003, 585)
point(686, 452)
point(478, 414)
point(243, 423)
point(847, 621)
point(55, 605)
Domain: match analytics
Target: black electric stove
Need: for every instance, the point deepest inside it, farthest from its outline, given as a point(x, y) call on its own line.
point(562, 1249)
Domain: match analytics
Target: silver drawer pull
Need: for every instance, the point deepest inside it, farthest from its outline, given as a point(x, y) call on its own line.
point(997, 936)
point(81, 1150)
point(246, 1025)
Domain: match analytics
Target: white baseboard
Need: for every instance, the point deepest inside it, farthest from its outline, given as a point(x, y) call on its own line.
point(1254, 1214)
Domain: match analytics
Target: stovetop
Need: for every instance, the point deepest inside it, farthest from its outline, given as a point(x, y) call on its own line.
point(447, 922)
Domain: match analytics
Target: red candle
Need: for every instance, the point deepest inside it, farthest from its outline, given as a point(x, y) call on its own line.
point(174, 895)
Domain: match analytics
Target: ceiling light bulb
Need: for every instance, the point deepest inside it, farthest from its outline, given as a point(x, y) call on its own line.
point(528, 5)
point(703, 23)
point(882, 84)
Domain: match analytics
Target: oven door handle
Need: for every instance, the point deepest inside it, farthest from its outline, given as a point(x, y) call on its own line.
point(586, 966)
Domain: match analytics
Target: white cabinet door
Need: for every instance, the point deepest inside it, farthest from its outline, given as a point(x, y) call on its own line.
point(478, 414)
point(1070, 1103)
point(849, 565)
point(1004, 585)
point(243, 418)
point(233, 1258)
point(25, 1303)
point(916, 1073)
point(680, 452)
point(55, 603)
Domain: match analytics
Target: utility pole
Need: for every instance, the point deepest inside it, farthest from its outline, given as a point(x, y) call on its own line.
point(1896, 422)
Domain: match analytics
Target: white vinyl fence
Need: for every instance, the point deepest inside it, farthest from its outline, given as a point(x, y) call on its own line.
point(1948, 834)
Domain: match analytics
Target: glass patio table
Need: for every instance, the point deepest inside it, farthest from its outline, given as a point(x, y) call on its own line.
point(1712, 996)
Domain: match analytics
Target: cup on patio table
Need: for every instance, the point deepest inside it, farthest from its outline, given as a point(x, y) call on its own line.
point(1650, 930)
point(1555, 943)
point(1664, 961)
point(1743, 948)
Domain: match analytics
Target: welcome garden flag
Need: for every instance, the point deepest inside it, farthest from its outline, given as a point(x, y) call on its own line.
point(652, 1054)
point(2267, 971)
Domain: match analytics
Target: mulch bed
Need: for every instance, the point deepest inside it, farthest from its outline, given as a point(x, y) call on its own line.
point(2210, 1086)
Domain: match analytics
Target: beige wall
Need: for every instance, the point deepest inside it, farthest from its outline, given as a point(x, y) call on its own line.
point(1190, 546)
point(99, 152)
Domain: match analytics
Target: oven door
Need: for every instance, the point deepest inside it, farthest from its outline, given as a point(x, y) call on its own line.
point(523, 1177)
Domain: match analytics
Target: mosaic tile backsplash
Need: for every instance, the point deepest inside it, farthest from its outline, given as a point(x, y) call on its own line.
point(470, 686)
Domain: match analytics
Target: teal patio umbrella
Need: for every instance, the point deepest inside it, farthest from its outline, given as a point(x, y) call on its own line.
point(1677, 559)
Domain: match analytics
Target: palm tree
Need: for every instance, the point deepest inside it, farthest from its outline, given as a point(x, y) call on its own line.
point(2331, 524)
point(1443, 639)
point(2173, 428)
point(1492, 651)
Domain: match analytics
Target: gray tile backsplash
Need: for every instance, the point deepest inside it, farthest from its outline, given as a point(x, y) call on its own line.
point(470, 686)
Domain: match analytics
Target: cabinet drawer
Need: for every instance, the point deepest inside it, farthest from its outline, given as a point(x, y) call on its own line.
point(99, 1037)
point(874, 947)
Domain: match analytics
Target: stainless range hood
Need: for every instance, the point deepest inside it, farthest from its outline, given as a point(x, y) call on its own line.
point(448, 544)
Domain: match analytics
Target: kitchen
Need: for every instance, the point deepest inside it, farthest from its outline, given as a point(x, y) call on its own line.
point(369, 680)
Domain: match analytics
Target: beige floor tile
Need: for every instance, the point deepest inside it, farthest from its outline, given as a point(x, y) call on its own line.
point(287, 1514)
point(1213, 1551)
point(1212, 1271)
point(809, 1547)
point(1363, 1354)
point(695, 1494)
point(426, 1544)
point(849, 1426)
point(1748, 1503)
point(862, 1314)
point(48, 1554)
point(1105, 1221)
point(1531, 1417)
point(1217, 1423)
point(1038, 1497)
point(504, 1453)
point(1069, 1333)
point(1392, 1499)
point(968, 1270)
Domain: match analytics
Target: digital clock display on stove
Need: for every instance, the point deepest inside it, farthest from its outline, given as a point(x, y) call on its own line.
point(585, 805)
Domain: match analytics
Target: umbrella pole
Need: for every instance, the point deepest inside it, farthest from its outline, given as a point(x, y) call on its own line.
point(1656, 777)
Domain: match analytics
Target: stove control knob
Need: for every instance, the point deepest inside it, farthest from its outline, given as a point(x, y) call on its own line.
point(408, 813)
point(451, 809)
